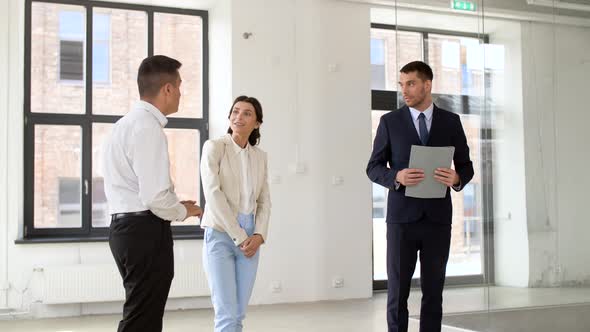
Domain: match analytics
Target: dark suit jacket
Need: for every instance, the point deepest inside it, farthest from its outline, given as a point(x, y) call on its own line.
point(391, 153)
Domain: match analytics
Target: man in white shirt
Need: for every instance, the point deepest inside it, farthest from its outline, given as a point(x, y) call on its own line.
point(141, 196)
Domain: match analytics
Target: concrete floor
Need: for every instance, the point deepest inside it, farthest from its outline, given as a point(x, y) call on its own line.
point(365, 315)
point(570, 318)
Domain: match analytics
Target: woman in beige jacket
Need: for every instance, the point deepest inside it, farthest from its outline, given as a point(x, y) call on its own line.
point(235, 182)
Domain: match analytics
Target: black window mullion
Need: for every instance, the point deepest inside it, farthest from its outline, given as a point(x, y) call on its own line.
point(425, 52)
point(187, 123)
point(29, 180)
point(383, 100)
point(28, 153)
point(88, 64)
point(86, 176)
point(98, 118)
point(87, 129)
point(204, 132)
point(150, 35)
point(204, 137)
point(56, 118)
point(205, 66)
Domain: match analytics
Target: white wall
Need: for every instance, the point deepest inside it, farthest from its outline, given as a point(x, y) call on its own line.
point(326, 115)
point(572, 121)
point(556, 69)
point(511, 240)
point(4, 106)
point(12, 116)
point(220, 65)
point(318, 231)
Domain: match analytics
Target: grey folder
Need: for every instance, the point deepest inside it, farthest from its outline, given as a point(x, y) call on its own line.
point(429, 158)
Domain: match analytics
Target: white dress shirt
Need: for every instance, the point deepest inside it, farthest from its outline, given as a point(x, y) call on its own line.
point(246, 188)
point(136, 166)
point(427, 114)
point(428, 117)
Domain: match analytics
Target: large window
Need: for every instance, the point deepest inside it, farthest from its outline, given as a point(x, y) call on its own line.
point(81, 62)
point(458, 86)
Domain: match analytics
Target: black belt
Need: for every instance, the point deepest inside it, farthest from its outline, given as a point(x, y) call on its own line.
point(117, 216)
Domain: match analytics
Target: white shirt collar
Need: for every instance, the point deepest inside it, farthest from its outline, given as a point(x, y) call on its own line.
point(427, 113)
point(144, 105)
point(237, 148)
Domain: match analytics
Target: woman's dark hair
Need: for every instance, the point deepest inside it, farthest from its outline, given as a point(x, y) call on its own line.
point(255, 135)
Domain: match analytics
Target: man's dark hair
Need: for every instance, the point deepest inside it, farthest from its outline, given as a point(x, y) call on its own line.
point(423, 70)
point(154, 72)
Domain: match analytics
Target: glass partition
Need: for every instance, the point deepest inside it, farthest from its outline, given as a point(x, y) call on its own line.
point(516, 75)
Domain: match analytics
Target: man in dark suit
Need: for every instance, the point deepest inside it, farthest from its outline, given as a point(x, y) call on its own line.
point(417, 225)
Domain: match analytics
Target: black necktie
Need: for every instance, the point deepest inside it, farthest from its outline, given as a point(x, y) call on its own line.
point(422, 128)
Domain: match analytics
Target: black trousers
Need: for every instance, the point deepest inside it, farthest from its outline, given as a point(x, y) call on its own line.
point(142, 248)
point(404, 241)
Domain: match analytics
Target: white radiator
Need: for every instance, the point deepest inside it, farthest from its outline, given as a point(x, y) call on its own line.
point(102, 283)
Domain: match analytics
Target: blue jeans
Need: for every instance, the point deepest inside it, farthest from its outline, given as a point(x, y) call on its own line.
point(231, 275)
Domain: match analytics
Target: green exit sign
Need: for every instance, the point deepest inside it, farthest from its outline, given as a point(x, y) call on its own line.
point(463, 5)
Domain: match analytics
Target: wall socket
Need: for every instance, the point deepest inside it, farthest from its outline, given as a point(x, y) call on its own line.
point(275, 179)
point(297, 168)
point(337, 180)
point(276, 286)
point(338, 282)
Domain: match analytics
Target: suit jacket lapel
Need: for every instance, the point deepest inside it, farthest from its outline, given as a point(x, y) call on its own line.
point(233, 159)
point(253, 162)
point(410, 125)
point(433, 125)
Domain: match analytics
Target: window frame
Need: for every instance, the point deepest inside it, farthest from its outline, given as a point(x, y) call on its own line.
point(387, 100)
point(87, 233)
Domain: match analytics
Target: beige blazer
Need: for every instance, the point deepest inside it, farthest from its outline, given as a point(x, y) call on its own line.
point(221, 174)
